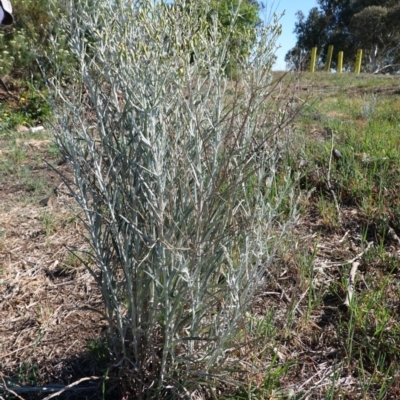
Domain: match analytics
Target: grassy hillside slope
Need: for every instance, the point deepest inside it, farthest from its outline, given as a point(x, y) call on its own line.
point(325, 326)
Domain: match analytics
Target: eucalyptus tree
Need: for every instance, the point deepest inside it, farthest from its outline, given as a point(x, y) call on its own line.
point(348, 25)
point(375, 29)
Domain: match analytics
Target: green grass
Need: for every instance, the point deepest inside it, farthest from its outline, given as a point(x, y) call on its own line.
point(350, 208)
point(22, 168)
point(48, 221)
point(364, 127)
point(343, 82)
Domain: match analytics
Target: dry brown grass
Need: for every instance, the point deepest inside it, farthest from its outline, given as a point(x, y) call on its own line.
point(44, 300)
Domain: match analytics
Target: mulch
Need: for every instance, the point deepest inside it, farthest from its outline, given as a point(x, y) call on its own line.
point(49, 309)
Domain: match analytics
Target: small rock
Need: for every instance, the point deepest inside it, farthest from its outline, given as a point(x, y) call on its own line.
point(337, 155)
point(47, 202)
point(35, 129)
point(21, 128)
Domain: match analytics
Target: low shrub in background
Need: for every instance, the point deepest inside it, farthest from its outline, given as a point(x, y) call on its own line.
point(176, 171)
point(24, 44)
point(23, 62)
point(30, 108)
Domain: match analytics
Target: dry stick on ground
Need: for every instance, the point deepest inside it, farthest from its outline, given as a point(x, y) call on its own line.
point(352, 275)
point(73, 384)
point(350, 283)
point(7, 389)
point(56, 389)
point(329, 178)
point(359, 255)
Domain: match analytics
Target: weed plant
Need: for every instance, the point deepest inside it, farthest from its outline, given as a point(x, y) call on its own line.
point(177, 170)
point(30, 108)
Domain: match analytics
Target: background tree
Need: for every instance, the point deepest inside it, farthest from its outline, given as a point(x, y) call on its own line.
point(310, 33)
point(28, 38)
point(245, 13)
point(18, 43)
point(349, 25)
point(237, 20)
point(375, 30)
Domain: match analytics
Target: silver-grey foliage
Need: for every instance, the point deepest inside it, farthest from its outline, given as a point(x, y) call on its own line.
point(176, 170)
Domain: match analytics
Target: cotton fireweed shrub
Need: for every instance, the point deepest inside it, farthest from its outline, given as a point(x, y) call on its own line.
point(177, 173)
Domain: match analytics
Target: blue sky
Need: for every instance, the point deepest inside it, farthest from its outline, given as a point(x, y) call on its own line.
point(287, 40)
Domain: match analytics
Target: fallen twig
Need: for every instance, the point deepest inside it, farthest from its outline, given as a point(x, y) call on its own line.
point(359, 255)
point(344, 237)
point(329, 177)
point(7, 389)
point(55, 390)
point(73, 384)
point(350, 283)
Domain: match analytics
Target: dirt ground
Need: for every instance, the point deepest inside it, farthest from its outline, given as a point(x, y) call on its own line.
point(45, 292)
